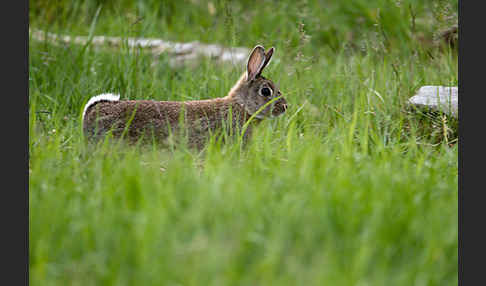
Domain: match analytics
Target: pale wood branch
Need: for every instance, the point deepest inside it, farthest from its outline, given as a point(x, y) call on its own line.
point(179, 53)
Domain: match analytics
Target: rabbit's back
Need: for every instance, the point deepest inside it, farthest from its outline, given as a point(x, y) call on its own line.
point(132, 117)
point(160, 119)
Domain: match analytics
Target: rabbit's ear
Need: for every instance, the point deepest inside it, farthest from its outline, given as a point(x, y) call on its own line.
point(255, 62)
point(268, 56)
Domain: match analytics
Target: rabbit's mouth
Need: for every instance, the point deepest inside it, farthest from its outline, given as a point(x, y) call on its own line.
point(279, 107)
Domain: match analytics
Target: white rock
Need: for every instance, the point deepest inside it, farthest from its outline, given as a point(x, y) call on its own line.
point(439, 98)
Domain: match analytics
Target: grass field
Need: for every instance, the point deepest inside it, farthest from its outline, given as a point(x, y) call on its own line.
point(349, 187)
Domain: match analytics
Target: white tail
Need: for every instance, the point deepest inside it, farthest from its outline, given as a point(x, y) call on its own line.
point(104, 96)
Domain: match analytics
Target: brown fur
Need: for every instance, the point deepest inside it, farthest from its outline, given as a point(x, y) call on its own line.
point(136, 119)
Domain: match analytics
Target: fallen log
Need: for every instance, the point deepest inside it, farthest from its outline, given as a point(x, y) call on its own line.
point(179, 53)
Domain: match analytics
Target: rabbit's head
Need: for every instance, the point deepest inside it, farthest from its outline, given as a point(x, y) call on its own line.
point(254, 90)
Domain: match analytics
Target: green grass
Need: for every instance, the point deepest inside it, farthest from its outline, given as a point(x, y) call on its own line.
point(349, 187)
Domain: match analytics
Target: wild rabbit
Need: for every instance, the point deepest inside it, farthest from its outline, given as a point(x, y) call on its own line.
point(136, 119)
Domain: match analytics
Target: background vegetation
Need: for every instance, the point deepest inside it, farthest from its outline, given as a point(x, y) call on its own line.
point(349, 187)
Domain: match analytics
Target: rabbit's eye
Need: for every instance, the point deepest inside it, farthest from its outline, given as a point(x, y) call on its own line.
point(266, 91)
